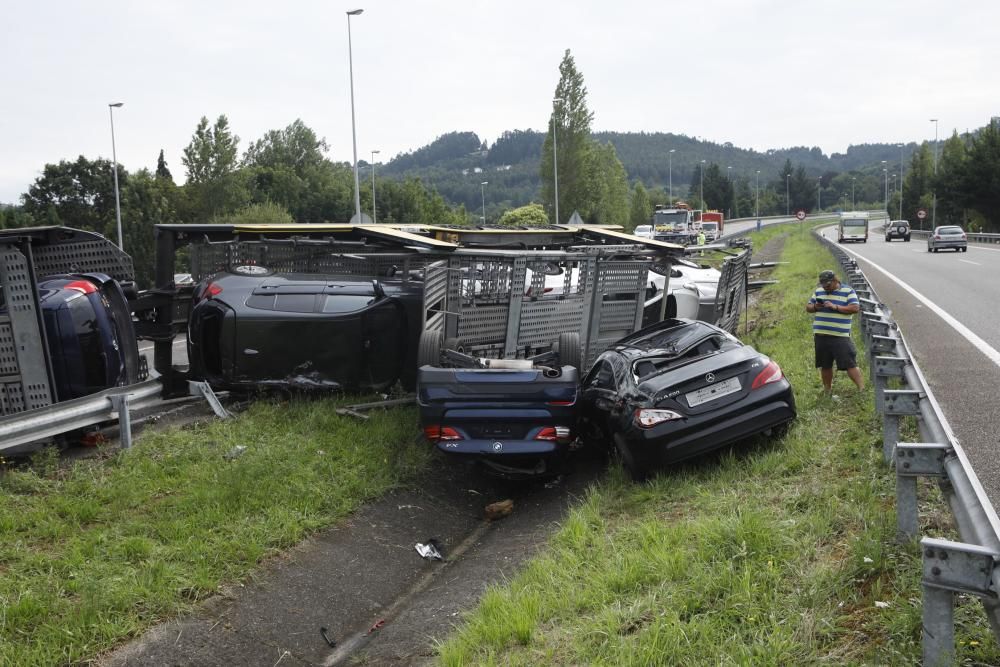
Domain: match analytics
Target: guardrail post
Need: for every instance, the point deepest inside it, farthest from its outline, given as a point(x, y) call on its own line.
point(884, 368)
point(120, 404)
point(949, 568)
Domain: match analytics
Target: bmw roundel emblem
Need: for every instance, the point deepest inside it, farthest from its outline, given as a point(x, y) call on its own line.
point(710, 377)
point(497, 446)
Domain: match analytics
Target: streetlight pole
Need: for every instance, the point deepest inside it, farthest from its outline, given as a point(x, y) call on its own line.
point(354, 131)
point(853, 201)
point(819, 194)
point(670, 173)
point(885, 170)
point(757, 196)
point(934, 207)
point(374, 216)
point(902, 147)
point(114, 162)
point(788, 204)
point(701, 173)
point(483, 188)
point(555, 161)
point(885, 173)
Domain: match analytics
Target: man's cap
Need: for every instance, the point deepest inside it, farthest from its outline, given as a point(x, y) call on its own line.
point(827, 276)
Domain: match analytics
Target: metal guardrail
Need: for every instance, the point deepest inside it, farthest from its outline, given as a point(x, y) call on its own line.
point(109, 405)
point(950, 568)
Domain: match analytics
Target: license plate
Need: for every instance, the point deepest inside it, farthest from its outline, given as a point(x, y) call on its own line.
point(712, 392)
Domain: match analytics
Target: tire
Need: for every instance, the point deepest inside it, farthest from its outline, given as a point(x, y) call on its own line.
point(906, 238)
point(568, 346)
point(936, 249)
point(965, 249)
point(429, 348)
point(453, 344)
point(928, 248)
point(637, 472)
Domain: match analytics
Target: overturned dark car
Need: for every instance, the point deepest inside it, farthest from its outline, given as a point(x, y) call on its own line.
point(678, 389)
point(251, 328)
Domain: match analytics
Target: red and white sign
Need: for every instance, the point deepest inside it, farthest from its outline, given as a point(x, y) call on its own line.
point(921, 213)
point(800, 215)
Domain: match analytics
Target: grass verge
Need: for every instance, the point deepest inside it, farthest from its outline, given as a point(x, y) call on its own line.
point(774, 552)
point(97, 551)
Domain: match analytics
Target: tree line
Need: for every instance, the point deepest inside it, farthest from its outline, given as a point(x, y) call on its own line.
point(285, 177)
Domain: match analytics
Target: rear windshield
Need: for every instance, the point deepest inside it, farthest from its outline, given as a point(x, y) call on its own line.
point(854, 222)
point(950, 230)
point(89, 336)
point(657, 363)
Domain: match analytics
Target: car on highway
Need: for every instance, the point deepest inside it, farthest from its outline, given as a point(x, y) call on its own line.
point(251, 328)
point(89, 334)
point(948, 236)
point(897, 229)
point(678, 389)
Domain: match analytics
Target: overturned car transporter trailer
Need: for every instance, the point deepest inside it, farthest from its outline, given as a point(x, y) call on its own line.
point(509, 332)
point(391, 258)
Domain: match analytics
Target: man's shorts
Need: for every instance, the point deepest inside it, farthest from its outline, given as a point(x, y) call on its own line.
point(835, 348)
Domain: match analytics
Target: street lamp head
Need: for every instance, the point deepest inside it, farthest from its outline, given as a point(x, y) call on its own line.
point(485, 183)
point(354, 12)
point(116, 104)
point(672, 150)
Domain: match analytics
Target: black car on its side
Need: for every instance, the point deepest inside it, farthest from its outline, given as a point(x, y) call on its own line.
point(252, 328)
point(88, 329)
point(680, 388)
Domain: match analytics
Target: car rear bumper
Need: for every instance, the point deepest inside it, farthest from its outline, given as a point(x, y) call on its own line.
point(672, 448)
point(949, 244)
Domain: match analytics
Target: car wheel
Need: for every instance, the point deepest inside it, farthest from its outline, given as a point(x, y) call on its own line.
point(429, 349)
point(568, 347)
point(906, 239)
point(633, 466)
point(928, 248)
point(966, 249)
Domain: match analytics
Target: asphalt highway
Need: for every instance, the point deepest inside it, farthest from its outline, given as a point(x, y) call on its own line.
point(947, 305)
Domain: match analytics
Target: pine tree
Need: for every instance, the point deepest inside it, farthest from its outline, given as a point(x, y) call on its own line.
point(161, 168)
point(570, 122)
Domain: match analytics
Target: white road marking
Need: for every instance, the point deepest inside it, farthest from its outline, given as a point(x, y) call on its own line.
point(969, 261)
point(962, 330)
point(979, 247)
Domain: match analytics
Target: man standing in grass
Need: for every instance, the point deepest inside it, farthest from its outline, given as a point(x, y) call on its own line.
point(834, 306)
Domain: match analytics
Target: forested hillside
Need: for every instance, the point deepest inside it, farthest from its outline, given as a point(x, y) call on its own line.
point(457, 164)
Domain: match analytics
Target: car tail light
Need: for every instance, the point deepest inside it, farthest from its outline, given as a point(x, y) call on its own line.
point(82, 286)
point(650, 417)
point(435, 433)
point(560, 403)
point(963, 236)
point(554, 433)
point(771, 373)
point(937, 237)
point(213, 289)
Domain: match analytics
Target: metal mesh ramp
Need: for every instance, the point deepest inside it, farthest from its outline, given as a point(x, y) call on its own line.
point(24, 376)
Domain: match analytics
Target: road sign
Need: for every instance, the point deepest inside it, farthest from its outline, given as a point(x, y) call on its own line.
point(800, 215)
point(921, 213)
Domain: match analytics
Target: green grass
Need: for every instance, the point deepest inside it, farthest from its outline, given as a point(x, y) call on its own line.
point(771, 553)
point(97, 551)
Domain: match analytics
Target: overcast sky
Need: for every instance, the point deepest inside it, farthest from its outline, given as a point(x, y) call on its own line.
point(758, 73)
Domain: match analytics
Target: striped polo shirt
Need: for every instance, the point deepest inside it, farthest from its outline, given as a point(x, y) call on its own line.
point(828, 322)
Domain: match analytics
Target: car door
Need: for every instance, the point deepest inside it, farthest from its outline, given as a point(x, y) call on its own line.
point(599, 401)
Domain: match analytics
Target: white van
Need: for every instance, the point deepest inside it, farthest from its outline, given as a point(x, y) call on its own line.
point(644, 231)
point(853, 227)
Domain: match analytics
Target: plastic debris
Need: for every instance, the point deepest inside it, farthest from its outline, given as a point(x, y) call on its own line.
point(881, 605)
point(430, 551)
point(868, 560)
point(330, 642)
point(499, 510)
point(235, 452)
point(377, 625)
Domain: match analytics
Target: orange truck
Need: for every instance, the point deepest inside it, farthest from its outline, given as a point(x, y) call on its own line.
point(711, 225)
